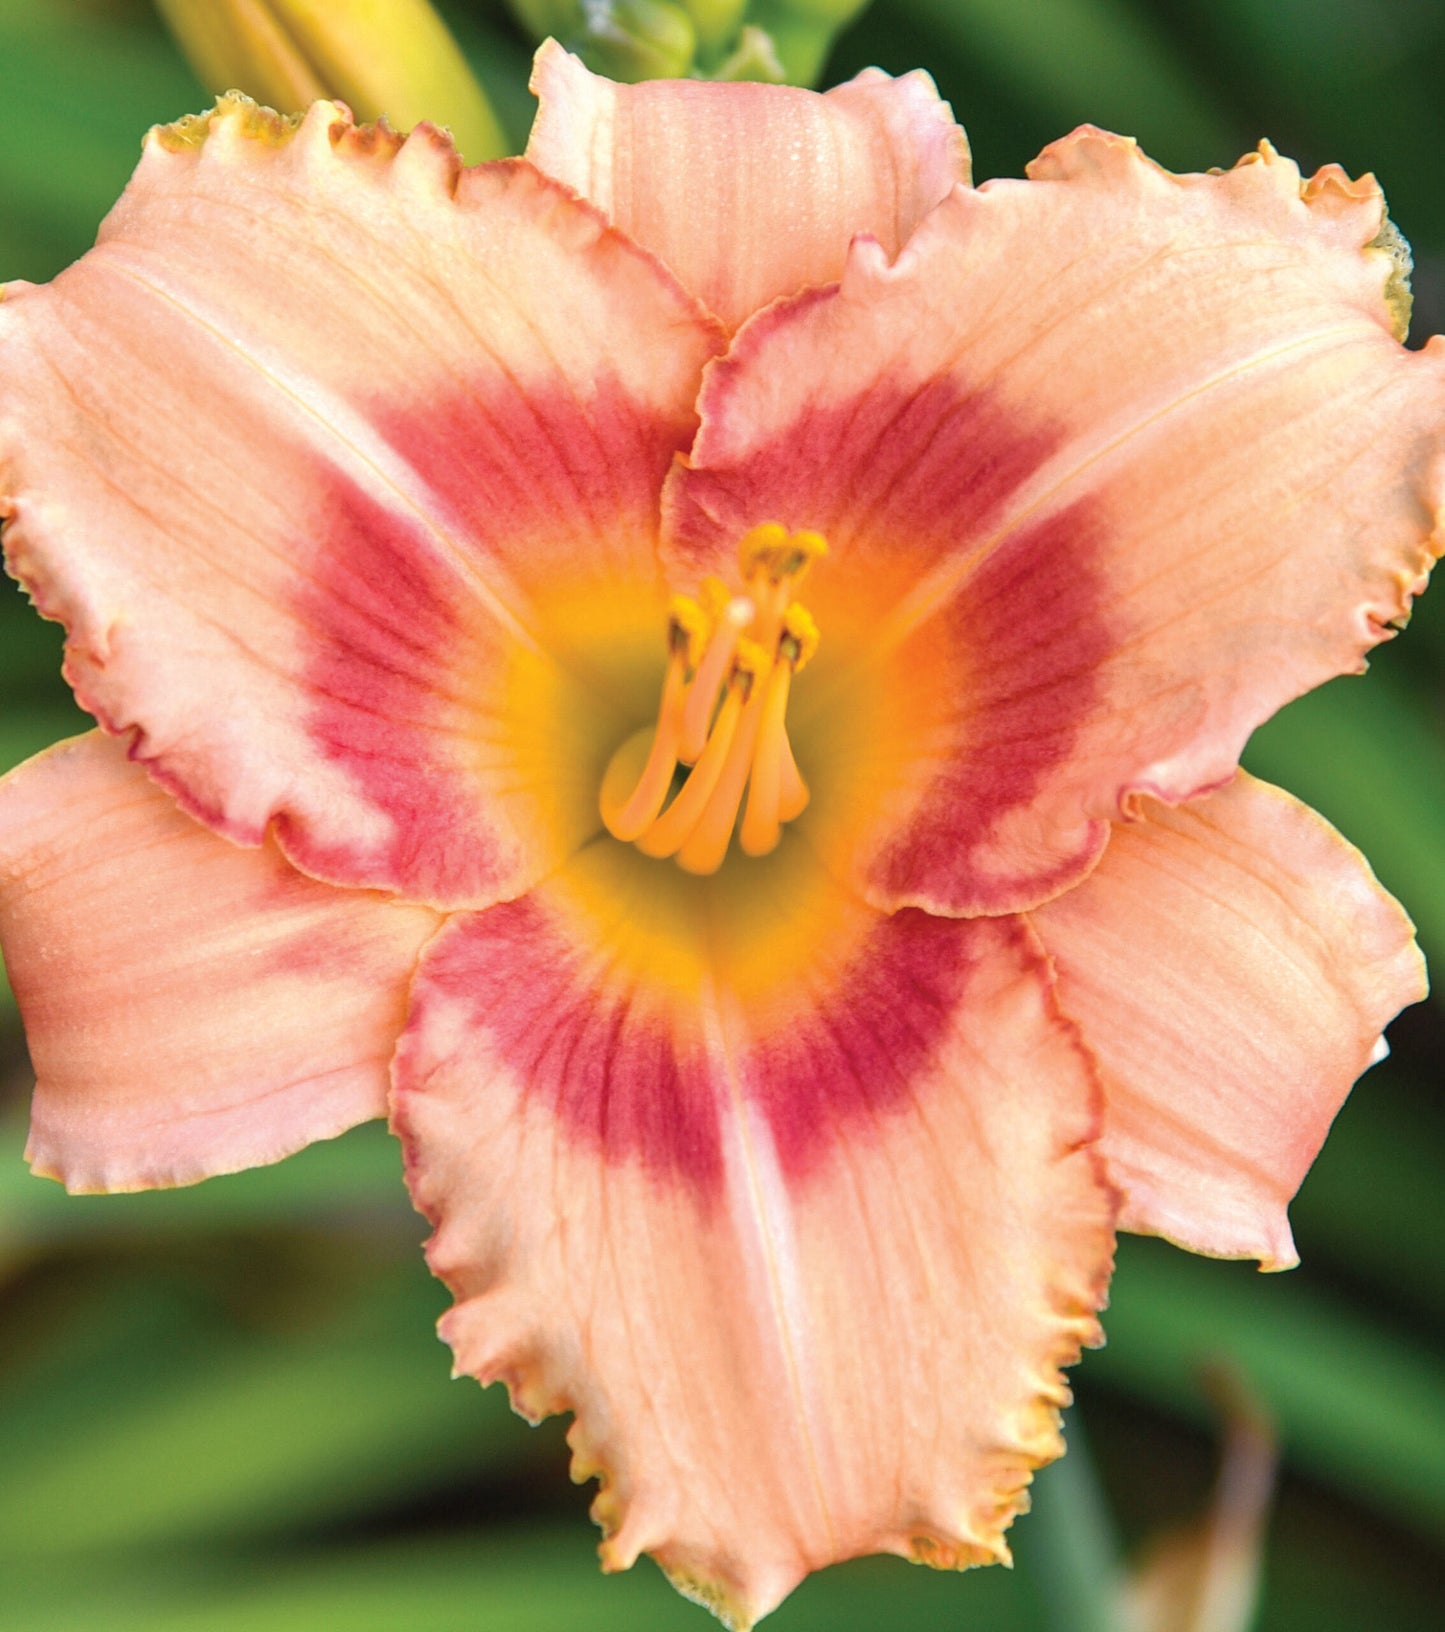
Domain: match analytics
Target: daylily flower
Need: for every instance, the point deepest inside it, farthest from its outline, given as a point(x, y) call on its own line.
point(416, 528)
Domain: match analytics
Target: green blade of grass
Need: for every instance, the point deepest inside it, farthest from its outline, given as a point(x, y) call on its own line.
point(332, 1181)
point(1356, 1405)
point(538, 1581)
point(181, 1428)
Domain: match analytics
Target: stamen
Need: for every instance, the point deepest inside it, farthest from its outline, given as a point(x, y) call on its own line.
point(773, 561)
point(708, 842)
point(723, 712)
point(775, 771)
point(762, 827)
point(673, 828)
point(735, 616)
point(628, 816)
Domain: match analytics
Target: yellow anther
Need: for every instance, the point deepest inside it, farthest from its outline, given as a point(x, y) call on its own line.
point(688, 627)
point(713, 596)
point(806, 548)
point(749, 661)
point(779, 555)
point(799, 639)
point(760, 546)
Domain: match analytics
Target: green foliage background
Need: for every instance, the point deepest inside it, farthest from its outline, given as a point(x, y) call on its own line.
point(224, 1408)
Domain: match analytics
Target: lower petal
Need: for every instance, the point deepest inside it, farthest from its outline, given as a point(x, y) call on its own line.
point(793, 1204)
point(1232, 964)
point(192, 1008)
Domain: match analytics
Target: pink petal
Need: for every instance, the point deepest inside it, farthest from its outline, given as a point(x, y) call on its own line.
point(192, 1008)
point(1112, 463)
point(801, 1220)
point(1232, 964)
point(300, 453)
point(747, 191)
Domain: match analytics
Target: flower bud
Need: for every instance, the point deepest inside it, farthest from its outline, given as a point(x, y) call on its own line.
point(635, 39)
point(802, 32)
point(718, 24)
point(382, 57)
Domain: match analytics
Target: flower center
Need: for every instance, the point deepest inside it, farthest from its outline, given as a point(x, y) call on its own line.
point(731, 662)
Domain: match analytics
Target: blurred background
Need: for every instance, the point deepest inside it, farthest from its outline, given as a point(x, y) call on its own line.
point(224, 1408)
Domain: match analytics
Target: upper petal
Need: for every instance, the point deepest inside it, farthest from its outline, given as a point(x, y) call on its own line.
point(1232, 964)
point(1113, 462)
point(295, 453)
point(748, 191)
point(792, 1205)
point(191, 1007)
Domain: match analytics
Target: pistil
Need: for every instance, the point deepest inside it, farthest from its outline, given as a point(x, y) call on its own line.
point(670, 832)
point(723, 711)
point(776, 792)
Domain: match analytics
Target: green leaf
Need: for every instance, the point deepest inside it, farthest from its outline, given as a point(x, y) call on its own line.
point(524, 1581)
point(1068, 1544)
point(1356, 1405)
point(189, 1425)
point(355, 1176)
